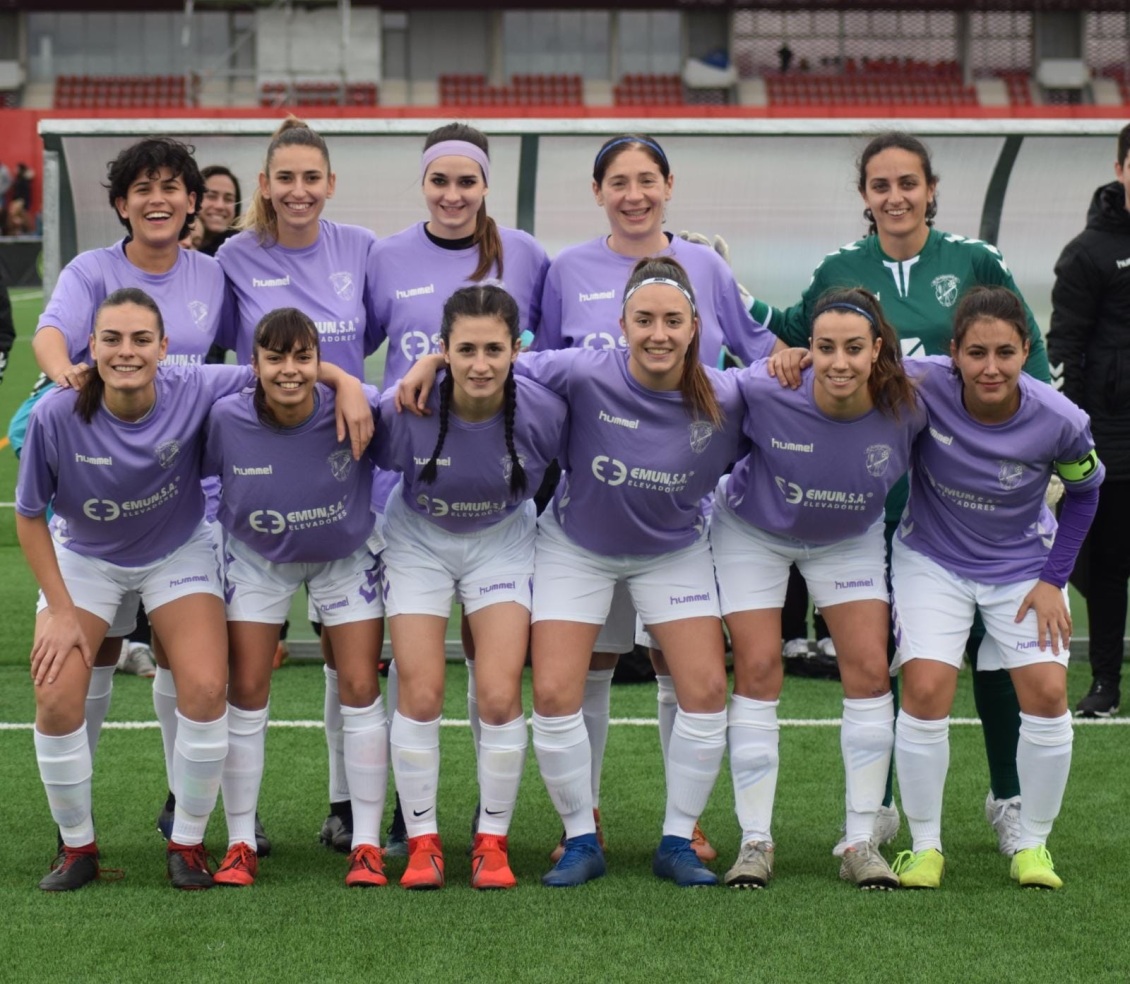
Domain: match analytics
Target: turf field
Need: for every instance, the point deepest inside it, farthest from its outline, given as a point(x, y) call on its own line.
point(300, 924)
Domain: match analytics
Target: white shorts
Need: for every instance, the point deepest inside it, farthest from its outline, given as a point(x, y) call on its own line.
point(107, 590)
point(125, 621)
point(572, 584)
point(618, 632)
point(341, 591)
point(934, 609)
point(425, 567)
point(752, 565)
point(376, 545)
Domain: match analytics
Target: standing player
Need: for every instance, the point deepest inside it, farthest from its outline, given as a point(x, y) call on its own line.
point(650, 432)
point(289, 256)
point(581, 308)
point(155, 189)
point(417, 269)
point(295, 508)
point(461, 522)
point(920, 274)
point(977, 536)
point(811, 493)
point(118, 460)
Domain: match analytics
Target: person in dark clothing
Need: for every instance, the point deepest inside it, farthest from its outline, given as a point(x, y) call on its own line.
point(1090, 336)
point(7, 329)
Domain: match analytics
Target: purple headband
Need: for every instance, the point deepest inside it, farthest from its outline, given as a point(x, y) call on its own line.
point(456, 148)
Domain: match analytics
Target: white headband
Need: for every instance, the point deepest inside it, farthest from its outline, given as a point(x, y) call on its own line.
point(456, 148)
point(662, 280)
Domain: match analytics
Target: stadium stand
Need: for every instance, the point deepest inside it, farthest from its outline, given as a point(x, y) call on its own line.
point(122, 91)
point(649, 90)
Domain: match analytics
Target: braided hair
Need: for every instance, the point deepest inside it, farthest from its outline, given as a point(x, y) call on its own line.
point(480, 300)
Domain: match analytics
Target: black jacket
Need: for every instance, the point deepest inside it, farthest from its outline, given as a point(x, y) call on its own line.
point(1090, 325)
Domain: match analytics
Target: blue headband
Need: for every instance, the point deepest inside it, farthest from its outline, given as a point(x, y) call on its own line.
point(845, 306)
point(623, 140)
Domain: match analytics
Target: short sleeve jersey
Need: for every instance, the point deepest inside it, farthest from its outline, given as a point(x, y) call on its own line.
point(584, 298)
point(326, 280)
point(126, 492)
point(638, 464)
point(292, 494)
point(471, 490)
point(414, 278)
point(977, 490)
point(190, 296)
point(811, 477)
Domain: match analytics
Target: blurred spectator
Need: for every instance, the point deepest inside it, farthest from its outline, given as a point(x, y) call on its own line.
point(17, 220)
point(21, 186)
point(1090, 336)
point(785, 56)
point(220, 209)
point(5, 184)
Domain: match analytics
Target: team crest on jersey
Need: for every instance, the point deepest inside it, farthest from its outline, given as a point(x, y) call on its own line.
point(199, 312)
point(341, 464)
point(508, 465)
point(1010, 473)
point(701, 433)
point(945, 289)
point(343, 285)
point(878, 457)
point(167, 453)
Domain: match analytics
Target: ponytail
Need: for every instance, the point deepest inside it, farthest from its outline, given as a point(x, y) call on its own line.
point(260, 216)
point(518, 481)
point(488, 240)
point(446, 389)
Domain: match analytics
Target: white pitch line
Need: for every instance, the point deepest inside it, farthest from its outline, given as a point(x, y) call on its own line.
point(619, 722)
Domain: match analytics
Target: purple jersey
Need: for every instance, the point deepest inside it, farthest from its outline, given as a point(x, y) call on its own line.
point(638, 465)
point(190, 296)
point(809, 476)
point(977, 490)
point(584, 296)
point(414, 278)
point(125, 492)
point(472, 487)
point(326, 280)
point(292, 494)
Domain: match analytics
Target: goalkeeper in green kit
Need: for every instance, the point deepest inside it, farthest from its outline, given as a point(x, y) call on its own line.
point(919, 274)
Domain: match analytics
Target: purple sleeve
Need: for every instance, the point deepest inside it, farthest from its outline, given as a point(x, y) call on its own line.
point(221, 380)
point(552, 370)
point(744, 337)
point(375, 331)
point(38, 470)
point(72, 305)
point(548, 335)
point(1079, 507)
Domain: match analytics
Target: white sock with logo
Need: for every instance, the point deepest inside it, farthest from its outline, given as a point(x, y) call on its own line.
point(98, 694)
point(502, 756)
point(415, 762)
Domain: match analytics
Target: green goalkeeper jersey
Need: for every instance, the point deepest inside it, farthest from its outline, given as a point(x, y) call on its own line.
point(918, 297)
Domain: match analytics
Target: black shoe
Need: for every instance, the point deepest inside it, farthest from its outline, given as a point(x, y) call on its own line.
point(165, 817)
point(262, 841)
point(188, 866)
point(1101, 701)
point(337, 831)
point(396, 838)
point(72, 868)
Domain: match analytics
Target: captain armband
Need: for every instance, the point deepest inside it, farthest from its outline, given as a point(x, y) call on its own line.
point(1077, 471)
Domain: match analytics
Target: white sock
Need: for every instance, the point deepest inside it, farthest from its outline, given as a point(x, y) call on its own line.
point(867, 736)
point(922, 759)
point(564, 756)
point(1043, 761)
point(415, 762)
point(473, 706)
point(335, 739)
point(165, 707)
point(243, 772)
point(65, 768)
point(366, 763)
point(98, 695)
point(698, 742)
point(596, 708)
point(502, 756)
point(198, 764)
point(754, 738)
point(667, 705)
